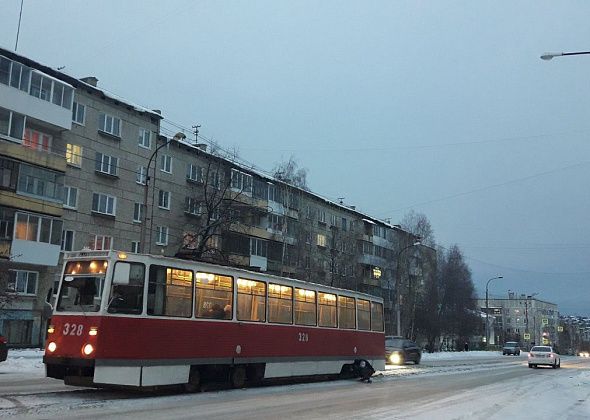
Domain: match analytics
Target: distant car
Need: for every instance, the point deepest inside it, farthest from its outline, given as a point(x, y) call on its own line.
point(544, 355)
point(584, 354)
point(511, 347)
point(399, 350)
point(3, 348)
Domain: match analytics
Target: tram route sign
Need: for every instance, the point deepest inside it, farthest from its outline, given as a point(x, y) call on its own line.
point(527, 336)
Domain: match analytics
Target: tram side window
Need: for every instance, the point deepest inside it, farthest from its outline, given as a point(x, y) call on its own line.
point(280, 304)
point(346, 314)
point(251, 300)
point(128, 298)
point(327, 310)
point(170, 291)
point(305, 307)
point(363, 312)
point(213, 296)
point(376, 316)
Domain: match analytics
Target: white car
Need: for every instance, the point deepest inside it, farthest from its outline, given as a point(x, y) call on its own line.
point(544, 355)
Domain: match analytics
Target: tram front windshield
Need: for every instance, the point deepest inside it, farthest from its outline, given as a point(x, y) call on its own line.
point(81, 286)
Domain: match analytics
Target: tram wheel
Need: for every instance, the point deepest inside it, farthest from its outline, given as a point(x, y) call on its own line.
point(237, 377)
point(194, 381)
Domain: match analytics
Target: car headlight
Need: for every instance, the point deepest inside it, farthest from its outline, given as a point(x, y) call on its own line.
point(395, 358)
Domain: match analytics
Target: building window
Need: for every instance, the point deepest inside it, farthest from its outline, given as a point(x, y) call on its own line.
point(74, 155)
point(20, 77)
point(70, 198)
point(67, 240)
point(106, 164)
point(137, 207)
point(162, 235)
point(192, 206)
point(6, 222)
point(79, 113)
point(166, 164)
point(37, 140)
point(333, 220)
point(195, 173)
point(321, 216)
point(23, 282)
point(344, 224)
point(258, 247)
point(141, 175)
point(12, 124)
point(8, 174)
point(145, 138)
point(135, 247)
point(104, 204)
point(241, 181)
point(30, 227)
point(164, 200)
point(109, 124)
point(100, 242)
point(40, 182)
point(321, 240)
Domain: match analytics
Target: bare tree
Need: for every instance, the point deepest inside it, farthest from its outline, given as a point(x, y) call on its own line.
point(291, 173)
point(217, 206)
point(419, 225)
point(7, 295)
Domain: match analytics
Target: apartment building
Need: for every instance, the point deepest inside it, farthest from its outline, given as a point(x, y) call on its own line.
point(82, 168)
point(69, 157)
point(523, 318)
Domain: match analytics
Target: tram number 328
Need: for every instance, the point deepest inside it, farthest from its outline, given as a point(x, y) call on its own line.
point(303, 337)
point(73, 329)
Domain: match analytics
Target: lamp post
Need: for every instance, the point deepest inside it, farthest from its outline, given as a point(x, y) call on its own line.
point(143, 248)
point(488, 310)
point(549, 56)
point(398, 295)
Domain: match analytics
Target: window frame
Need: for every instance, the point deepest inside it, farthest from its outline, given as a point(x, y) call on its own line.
point(77, 110)
point(108, 127)
point(15, 290)
point(162, 232)
point(164, 199)
point(67, 197)
point(73, 158)
point(142, 138)
point(107, 197)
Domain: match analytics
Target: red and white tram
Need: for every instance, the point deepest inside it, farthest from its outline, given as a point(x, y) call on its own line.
point(144, 321)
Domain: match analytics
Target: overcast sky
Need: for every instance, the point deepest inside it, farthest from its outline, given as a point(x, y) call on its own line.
point(443, 107)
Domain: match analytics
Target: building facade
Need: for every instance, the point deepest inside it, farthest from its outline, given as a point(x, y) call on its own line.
point(82, 168)
point(522, 318)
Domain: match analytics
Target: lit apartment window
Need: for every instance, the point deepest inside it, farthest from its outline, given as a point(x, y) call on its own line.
point(106, 164)
point(23, 282)
point(141, 175)
point(34, 228)
point(70, 197)
point(161, 235)
point(67, 240)
point(79, 113)
point(37, 140)
point(104, 204)
point(145, 138)
point(164, 199)
point(137, 210)
point(166, 164)
point(100, 242)
point(109, 124)
point(12, 124)
point(321, 240)
point(74, 155)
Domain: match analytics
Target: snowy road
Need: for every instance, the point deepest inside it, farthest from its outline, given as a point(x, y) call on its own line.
point(445, 386)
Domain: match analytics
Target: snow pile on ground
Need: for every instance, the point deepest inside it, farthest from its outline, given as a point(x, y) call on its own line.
point(23, 360)
point(448, 355)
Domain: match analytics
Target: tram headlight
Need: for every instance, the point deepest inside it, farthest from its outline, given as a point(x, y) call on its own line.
point(88, 349)
point(51, 347)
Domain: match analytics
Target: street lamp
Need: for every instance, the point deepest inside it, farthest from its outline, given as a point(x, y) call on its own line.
point(487, 309)
point(145, 198)
point(549, 56)
point(398, 294)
